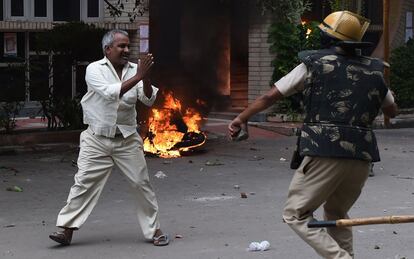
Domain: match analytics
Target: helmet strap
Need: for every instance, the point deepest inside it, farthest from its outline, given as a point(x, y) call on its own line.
point(327, 41)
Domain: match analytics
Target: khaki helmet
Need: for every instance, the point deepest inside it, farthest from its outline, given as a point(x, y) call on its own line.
point(345, 26)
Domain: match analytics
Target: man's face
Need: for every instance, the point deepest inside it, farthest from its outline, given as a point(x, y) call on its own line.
point(118, 52)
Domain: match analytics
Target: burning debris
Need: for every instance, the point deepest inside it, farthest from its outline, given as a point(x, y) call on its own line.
point(172, 131)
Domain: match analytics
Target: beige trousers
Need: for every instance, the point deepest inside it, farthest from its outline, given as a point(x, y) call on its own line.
point(97, 157)
point(336, 183)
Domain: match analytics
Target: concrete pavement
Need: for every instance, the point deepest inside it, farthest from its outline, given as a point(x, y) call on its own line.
point(31, 135)
point(200, 201)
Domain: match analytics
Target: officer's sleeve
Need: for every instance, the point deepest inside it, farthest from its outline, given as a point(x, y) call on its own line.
point(293, 82)
point(388, 100)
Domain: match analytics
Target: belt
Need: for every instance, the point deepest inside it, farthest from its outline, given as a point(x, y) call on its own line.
point(117, 134)
point(332, 124)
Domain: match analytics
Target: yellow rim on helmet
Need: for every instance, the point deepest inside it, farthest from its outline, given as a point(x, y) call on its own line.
point(345, 25)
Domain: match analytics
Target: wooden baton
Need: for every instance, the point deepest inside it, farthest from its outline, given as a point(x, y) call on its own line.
point(362, 221)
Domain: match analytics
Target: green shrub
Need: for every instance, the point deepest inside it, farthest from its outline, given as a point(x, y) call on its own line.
point(287, 40)
point(70, 43)
point(402, 74)
point(12, 80)
point(63, 113)
point(8, 112)
point(77, 40)
point(288, 11)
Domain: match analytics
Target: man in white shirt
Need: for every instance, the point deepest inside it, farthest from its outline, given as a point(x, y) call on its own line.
point(114, 85)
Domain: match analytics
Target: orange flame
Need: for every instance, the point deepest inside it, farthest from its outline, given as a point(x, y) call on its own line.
point(164, 133)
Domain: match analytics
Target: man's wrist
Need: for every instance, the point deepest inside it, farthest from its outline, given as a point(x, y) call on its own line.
point(240, 119)
point(138, 78)
point(147, 83)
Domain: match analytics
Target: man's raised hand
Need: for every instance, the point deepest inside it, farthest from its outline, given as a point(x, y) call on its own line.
point(144, 65)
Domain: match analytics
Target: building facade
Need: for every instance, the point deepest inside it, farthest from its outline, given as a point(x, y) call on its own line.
point(213, 50)
point(21, 20)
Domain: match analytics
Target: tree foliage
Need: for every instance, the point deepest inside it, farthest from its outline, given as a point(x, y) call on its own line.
point(13, 83)
point(69, 44)
point(289, 10)
point(286, 10)
point(356, 6)
point(76, 40)
point(8, 113)
point(117, 9)
point(402, 74)
point(287, 40)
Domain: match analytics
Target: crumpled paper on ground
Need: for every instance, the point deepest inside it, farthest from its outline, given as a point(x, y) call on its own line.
point(256, 246)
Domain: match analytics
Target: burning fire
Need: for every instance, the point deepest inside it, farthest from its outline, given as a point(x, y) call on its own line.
point(172, 131)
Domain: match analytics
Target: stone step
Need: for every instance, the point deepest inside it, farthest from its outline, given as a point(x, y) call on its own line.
point(228, 115)
point(239, 95)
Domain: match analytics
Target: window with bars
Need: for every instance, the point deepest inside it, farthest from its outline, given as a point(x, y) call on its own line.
point(373, 10)
point(93, 8)
point(40, 8)
point(68, 10)
point(76, 10)
point(17, 8)
point(1, 10)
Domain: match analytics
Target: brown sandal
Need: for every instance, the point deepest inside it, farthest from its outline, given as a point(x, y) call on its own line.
point(161, 240)
point(62, 237)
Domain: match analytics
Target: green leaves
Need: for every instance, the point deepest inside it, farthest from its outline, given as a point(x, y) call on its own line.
point(402, 74)
point(116, 9)
point(8, 113)
point(14, 189)
point(285, 10)
point(70, 43)
point(287, 40)
point(77, 40)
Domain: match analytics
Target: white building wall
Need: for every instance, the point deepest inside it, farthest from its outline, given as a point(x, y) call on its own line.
point(132, 28)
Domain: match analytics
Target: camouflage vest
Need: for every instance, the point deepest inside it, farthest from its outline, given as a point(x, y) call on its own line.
point(342, 97)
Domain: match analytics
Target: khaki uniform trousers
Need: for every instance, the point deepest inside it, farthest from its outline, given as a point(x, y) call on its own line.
point(97, 156)
point(336, 183)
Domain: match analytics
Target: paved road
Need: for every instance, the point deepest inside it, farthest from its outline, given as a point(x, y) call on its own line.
point(199, 202)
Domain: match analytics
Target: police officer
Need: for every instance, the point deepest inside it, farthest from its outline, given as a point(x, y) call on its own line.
point(343, 93)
